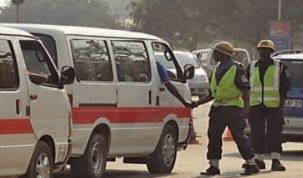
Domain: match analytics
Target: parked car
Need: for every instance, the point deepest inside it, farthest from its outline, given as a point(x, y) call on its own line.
point(205, 57)
point(293, 128)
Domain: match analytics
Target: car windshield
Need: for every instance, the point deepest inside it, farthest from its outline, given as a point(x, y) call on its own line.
point(185, 58)
point(296, 72)
point(166, 64)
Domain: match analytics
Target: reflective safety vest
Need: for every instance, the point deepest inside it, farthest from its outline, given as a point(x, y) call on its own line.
point(271, 97)
point(226, 93)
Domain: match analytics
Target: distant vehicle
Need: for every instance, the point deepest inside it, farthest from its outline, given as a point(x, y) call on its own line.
point(293, 128)
point(205, 57)
point(199, 84)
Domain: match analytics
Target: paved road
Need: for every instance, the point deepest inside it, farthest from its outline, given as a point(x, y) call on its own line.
point(193, 160)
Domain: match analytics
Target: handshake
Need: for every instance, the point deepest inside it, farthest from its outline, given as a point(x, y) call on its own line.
point(191, 105)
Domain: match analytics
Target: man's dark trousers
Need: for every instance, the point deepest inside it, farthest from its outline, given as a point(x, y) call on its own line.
point(229, 116)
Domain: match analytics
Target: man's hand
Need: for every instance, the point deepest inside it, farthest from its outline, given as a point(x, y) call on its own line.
point(194, 104)
point(245, 112)
point(187, 104)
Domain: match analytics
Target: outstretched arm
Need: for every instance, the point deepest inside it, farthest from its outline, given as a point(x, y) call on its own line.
point(173, 90)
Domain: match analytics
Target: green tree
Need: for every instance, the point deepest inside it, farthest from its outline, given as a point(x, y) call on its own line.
point(64, 12)
point(186, 22)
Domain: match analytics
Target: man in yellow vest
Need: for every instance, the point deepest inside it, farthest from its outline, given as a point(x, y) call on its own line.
point(229, 89)
point(269, 80)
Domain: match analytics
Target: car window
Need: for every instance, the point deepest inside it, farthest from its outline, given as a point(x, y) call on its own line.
point(91, 60)
point(50, 44)
point(187, 58)
point(203, 57)
point(9, 77)
point(296, 72)
point(165, 56)
point(241, 56)
point(38, 62)
point(132, 62)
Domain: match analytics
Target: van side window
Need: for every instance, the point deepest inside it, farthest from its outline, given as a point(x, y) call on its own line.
point(91, 60)
point(165, 56)
point(9, 76)
point(132, 61)
point(38, 64)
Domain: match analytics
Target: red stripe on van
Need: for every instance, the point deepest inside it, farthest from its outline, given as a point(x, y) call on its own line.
point(86, 115)
point(15, 126)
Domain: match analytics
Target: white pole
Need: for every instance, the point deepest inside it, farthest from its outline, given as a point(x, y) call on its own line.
point(279, 9)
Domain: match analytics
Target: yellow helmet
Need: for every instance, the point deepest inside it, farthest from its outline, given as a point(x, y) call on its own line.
point(225, 48)
point(266, 44)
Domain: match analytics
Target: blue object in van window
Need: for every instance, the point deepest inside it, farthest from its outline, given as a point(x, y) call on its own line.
point(294, 103)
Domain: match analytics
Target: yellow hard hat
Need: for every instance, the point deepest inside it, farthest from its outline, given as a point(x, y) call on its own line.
point(266, 44)
point(225, 48)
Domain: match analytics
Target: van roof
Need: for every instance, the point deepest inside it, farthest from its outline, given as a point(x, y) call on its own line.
point(210, 49)
point(87, 31)
point(14, 32)
point(290, 57)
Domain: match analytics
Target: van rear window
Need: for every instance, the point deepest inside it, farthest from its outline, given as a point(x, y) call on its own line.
point(296, 72)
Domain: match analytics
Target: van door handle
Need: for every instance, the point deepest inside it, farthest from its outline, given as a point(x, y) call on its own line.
point(18, 106)
point(150, 97)
point(33, 97)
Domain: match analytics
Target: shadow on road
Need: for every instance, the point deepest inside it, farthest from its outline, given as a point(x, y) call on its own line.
point(232, 174)
point(118, 174)
point(293, 155)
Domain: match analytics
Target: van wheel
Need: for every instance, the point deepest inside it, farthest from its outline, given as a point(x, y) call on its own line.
point(162, 161)
point(41, 164)
point(92, 163)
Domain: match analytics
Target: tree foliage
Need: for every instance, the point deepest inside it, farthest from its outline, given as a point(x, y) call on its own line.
point(63, 12)
point(191, 21)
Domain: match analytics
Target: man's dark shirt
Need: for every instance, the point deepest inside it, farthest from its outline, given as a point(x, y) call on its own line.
point(240, 79)
point(285, 81)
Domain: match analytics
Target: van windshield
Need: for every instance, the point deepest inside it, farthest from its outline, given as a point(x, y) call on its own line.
point(296, 72)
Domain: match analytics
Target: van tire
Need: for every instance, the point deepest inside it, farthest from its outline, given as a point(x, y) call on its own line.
point(41, 155)
point(167, 145)
point(92, 163)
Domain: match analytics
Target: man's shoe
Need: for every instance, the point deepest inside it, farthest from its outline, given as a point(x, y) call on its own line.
point(211, 171)
point(260, 164)
point(250, 169)
point(277, 166)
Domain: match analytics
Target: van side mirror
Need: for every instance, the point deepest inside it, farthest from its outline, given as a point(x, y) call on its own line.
point(67, 76)
point(189, 72)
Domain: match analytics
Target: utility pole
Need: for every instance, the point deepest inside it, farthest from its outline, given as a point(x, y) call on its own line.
point(279, 9)
point(17, 3)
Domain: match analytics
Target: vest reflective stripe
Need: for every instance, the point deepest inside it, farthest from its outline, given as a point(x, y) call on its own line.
point(226, 93)
point(270, 88)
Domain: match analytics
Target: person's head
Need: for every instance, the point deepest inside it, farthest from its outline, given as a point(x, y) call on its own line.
point(265, 49)
point(222, 51)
